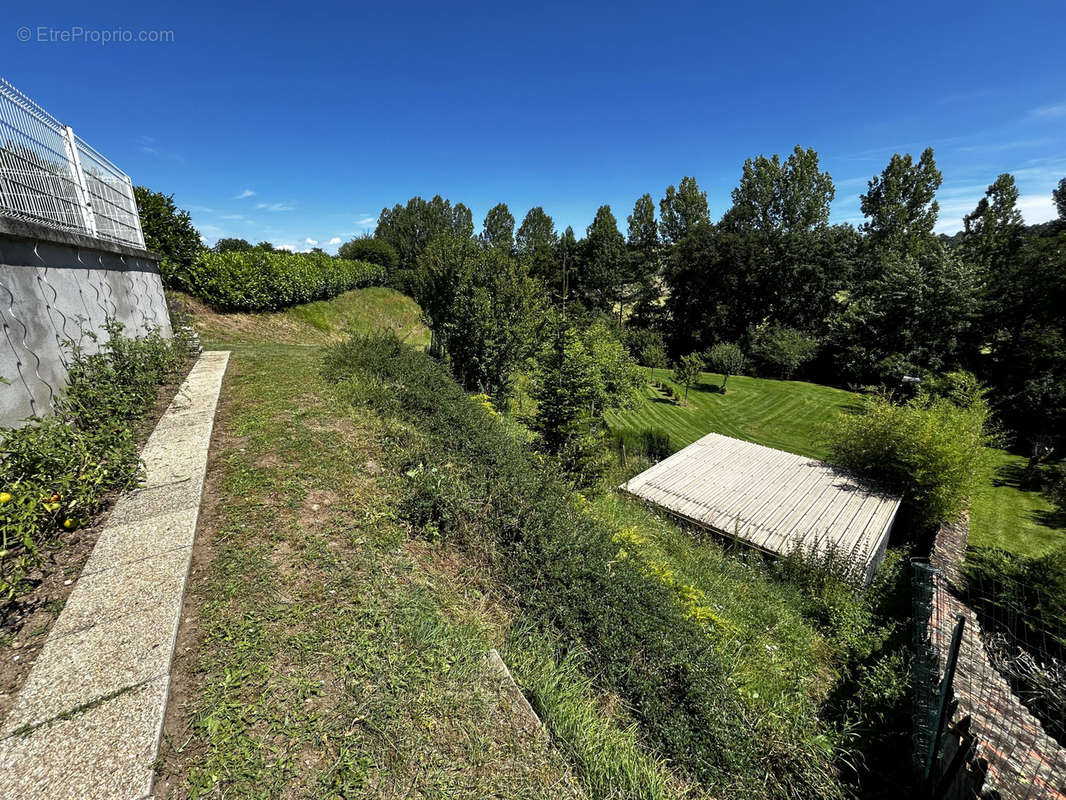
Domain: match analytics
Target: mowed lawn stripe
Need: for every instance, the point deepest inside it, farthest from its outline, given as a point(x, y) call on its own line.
point(787, 415)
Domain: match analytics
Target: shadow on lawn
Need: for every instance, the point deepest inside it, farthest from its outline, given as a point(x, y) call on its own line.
point(1012, 475)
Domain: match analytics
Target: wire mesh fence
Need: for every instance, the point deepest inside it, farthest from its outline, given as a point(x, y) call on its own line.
point(51, 176)
point(990, 682)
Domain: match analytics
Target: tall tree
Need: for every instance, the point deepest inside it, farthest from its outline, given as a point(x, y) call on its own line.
point(992, 242)
point(410, 228)
point(536, 231)
point(644, 255)
point(1059, 196)
point(499, 228)
point(535, 244)
point(900, 204)
point(604, 272)
point(567, 264)
point(483, 309)
point(682, 210)
point(782, 197)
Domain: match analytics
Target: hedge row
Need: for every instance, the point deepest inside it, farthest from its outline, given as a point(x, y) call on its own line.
point(469, 478)
point(264, 281)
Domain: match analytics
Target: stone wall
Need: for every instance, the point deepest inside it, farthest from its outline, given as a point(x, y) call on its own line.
point(54, 286)
point(1015, 759)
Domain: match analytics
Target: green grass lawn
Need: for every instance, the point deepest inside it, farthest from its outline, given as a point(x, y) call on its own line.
point(788, 415)
point(782, 414)
point(1008, 516)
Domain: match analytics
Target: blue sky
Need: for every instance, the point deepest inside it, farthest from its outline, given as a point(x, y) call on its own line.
point(298, 123)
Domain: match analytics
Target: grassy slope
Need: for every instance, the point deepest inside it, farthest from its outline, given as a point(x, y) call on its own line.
point(788, 414)
point(328, 654)
point(373, 639)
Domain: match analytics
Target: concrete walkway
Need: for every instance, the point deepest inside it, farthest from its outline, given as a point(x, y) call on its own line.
point(88, 720)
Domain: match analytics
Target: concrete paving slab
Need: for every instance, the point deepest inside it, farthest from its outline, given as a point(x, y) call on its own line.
point(104, 752)
point(151, 502)
point(125, 544)
point(86, 724)
point(105, 658)
point(124, 589)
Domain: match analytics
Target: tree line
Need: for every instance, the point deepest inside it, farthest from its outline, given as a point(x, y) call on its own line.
point(887, 303)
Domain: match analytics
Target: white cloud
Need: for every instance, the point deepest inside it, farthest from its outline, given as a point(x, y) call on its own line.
point(244, 194)
point(1053, 111)
point(335, 240)
point(367, 220)
point(1037, 208)
point(290, 247)
point(310, 241)
point(274, 206)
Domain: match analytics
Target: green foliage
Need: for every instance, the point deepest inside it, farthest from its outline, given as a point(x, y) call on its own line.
point(604, 267)
point(260, 281)
point(1023, 600)
point(611, 763)
point(483, 308)
point(776, 197)
point(682, 210)
point(915, 314)
point(168, 230)
point(1058, 195)
point(1025, 594)
point(576, 379)
point(654, 357)
point(371, 251)
point(933, 451)
point(726, 359)
point(651, 443)
point(563, 567)
point(687, 371)
point(900, 204)
point(410, 228)
point(498, 229)
point(232, 245)
point(780, 351)
point(55, 472)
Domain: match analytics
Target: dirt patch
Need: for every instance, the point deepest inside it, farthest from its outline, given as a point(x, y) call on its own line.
point(26, 620)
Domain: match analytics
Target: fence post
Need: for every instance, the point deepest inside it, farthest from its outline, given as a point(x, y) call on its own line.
point(946, 694)
point(136, 211)
point(79, 180)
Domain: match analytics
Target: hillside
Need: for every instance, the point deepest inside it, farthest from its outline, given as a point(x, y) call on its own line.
point(313, 591)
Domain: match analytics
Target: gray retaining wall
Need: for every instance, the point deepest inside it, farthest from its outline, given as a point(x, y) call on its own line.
point(54, 286)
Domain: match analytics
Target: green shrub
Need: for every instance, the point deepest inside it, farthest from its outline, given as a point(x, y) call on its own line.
point(930, 449)
point(779, 351)
point(651, 443)
point(168, 230)
point(267, 281)
point(57, 471)
point(563, 567)
point(372, 251)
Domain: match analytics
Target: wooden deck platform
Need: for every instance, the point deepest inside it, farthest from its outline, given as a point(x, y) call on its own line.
point(769, 499)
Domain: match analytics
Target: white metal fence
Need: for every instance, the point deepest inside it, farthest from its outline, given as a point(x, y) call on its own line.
point(51, 176)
